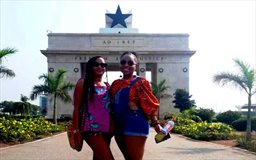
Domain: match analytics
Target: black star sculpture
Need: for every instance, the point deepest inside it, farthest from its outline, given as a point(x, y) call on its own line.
point(118, 18)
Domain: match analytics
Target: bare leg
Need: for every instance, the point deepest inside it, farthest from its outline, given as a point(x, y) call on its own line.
point(132, 147)
point(100, 147)
point(120, 143)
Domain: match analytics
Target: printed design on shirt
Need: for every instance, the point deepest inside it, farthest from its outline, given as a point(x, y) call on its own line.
point(90, 117)
point(107, 106)
point(105, 100)
point(94, 118)
point(94, 125)
point(99, 90)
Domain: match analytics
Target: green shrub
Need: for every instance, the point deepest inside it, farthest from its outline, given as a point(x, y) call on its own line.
point(202, 130)
point(205, 114)
point(180, 123)
point(12, 130)
point(191, 114)
point(240, 124)
point(228, 117)
point(249, 145)
point(208, 131)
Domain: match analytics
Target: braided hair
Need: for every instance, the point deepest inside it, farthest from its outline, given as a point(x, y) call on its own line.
point(90, 77)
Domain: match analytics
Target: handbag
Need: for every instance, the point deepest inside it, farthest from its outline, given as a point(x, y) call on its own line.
point(75, 137)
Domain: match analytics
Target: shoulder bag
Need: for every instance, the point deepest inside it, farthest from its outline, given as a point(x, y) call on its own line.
point(75, 137)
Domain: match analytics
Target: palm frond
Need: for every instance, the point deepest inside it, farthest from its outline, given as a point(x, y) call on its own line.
point(161, 83)
point(226, 78)
point(67, 86)
point(64, 96)
point(153, 85)
point(23, 98)
point(159, 89)
point(162, 86)
point(7, 51)
point(154, 88)
point(49, 80)
point(43, 76)
point(5, 72)
point(246, 72)
point(38, 90)
point(251, 79)
point(244, 68)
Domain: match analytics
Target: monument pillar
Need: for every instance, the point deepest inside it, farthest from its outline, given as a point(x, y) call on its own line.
point(141, 69)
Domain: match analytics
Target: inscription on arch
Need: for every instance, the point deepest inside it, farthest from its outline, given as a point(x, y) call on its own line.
point(117, 42)
point(111, 59)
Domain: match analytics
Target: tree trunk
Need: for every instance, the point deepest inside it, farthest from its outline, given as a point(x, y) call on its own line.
point(248, 124)
point(55, 109)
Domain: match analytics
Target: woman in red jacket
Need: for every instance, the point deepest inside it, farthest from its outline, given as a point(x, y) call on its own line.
point(92, 94)
point(133, 106)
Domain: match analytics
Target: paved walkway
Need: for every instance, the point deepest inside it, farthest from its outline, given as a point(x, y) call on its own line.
point(176, 148)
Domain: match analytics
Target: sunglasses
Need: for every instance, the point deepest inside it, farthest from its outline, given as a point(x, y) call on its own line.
point(130, 63)
point(103, 65)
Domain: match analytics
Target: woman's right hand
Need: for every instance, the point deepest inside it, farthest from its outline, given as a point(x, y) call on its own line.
point(159, 129)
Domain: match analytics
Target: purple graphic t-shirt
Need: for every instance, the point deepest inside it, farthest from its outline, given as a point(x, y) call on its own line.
point(98, 118)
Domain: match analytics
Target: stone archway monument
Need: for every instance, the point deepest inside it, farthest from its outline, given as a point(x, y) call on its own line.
point(166, 56)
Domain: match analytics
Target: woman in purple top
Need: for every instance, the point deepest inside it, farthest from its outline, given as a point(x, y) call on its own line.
point(92, 93)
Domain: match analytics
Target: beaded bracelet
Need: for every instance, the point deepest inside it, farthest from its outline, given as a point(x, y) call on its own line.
point(154, 123)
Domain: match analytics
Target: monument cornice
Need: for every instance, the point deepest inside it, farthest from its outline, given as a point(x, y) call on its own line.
point(117, 42)
point(119, 34)
point(142, 52)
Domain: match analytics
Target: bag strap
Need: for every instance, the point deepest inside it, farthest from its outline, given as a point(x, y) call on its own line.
point(84, 105)
point(134, 81)
point(107, 84)
point(84, 93)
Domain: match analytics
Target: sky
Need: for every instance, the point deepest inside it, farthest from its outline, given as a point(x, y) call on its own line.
point(219, 32)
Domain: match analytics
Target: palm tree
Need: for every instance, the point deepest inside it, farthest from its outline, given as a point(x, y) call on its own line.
point(55, 85)
point(159, 90)
point(5, 72)
point(25, 106)
point(245, 80)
